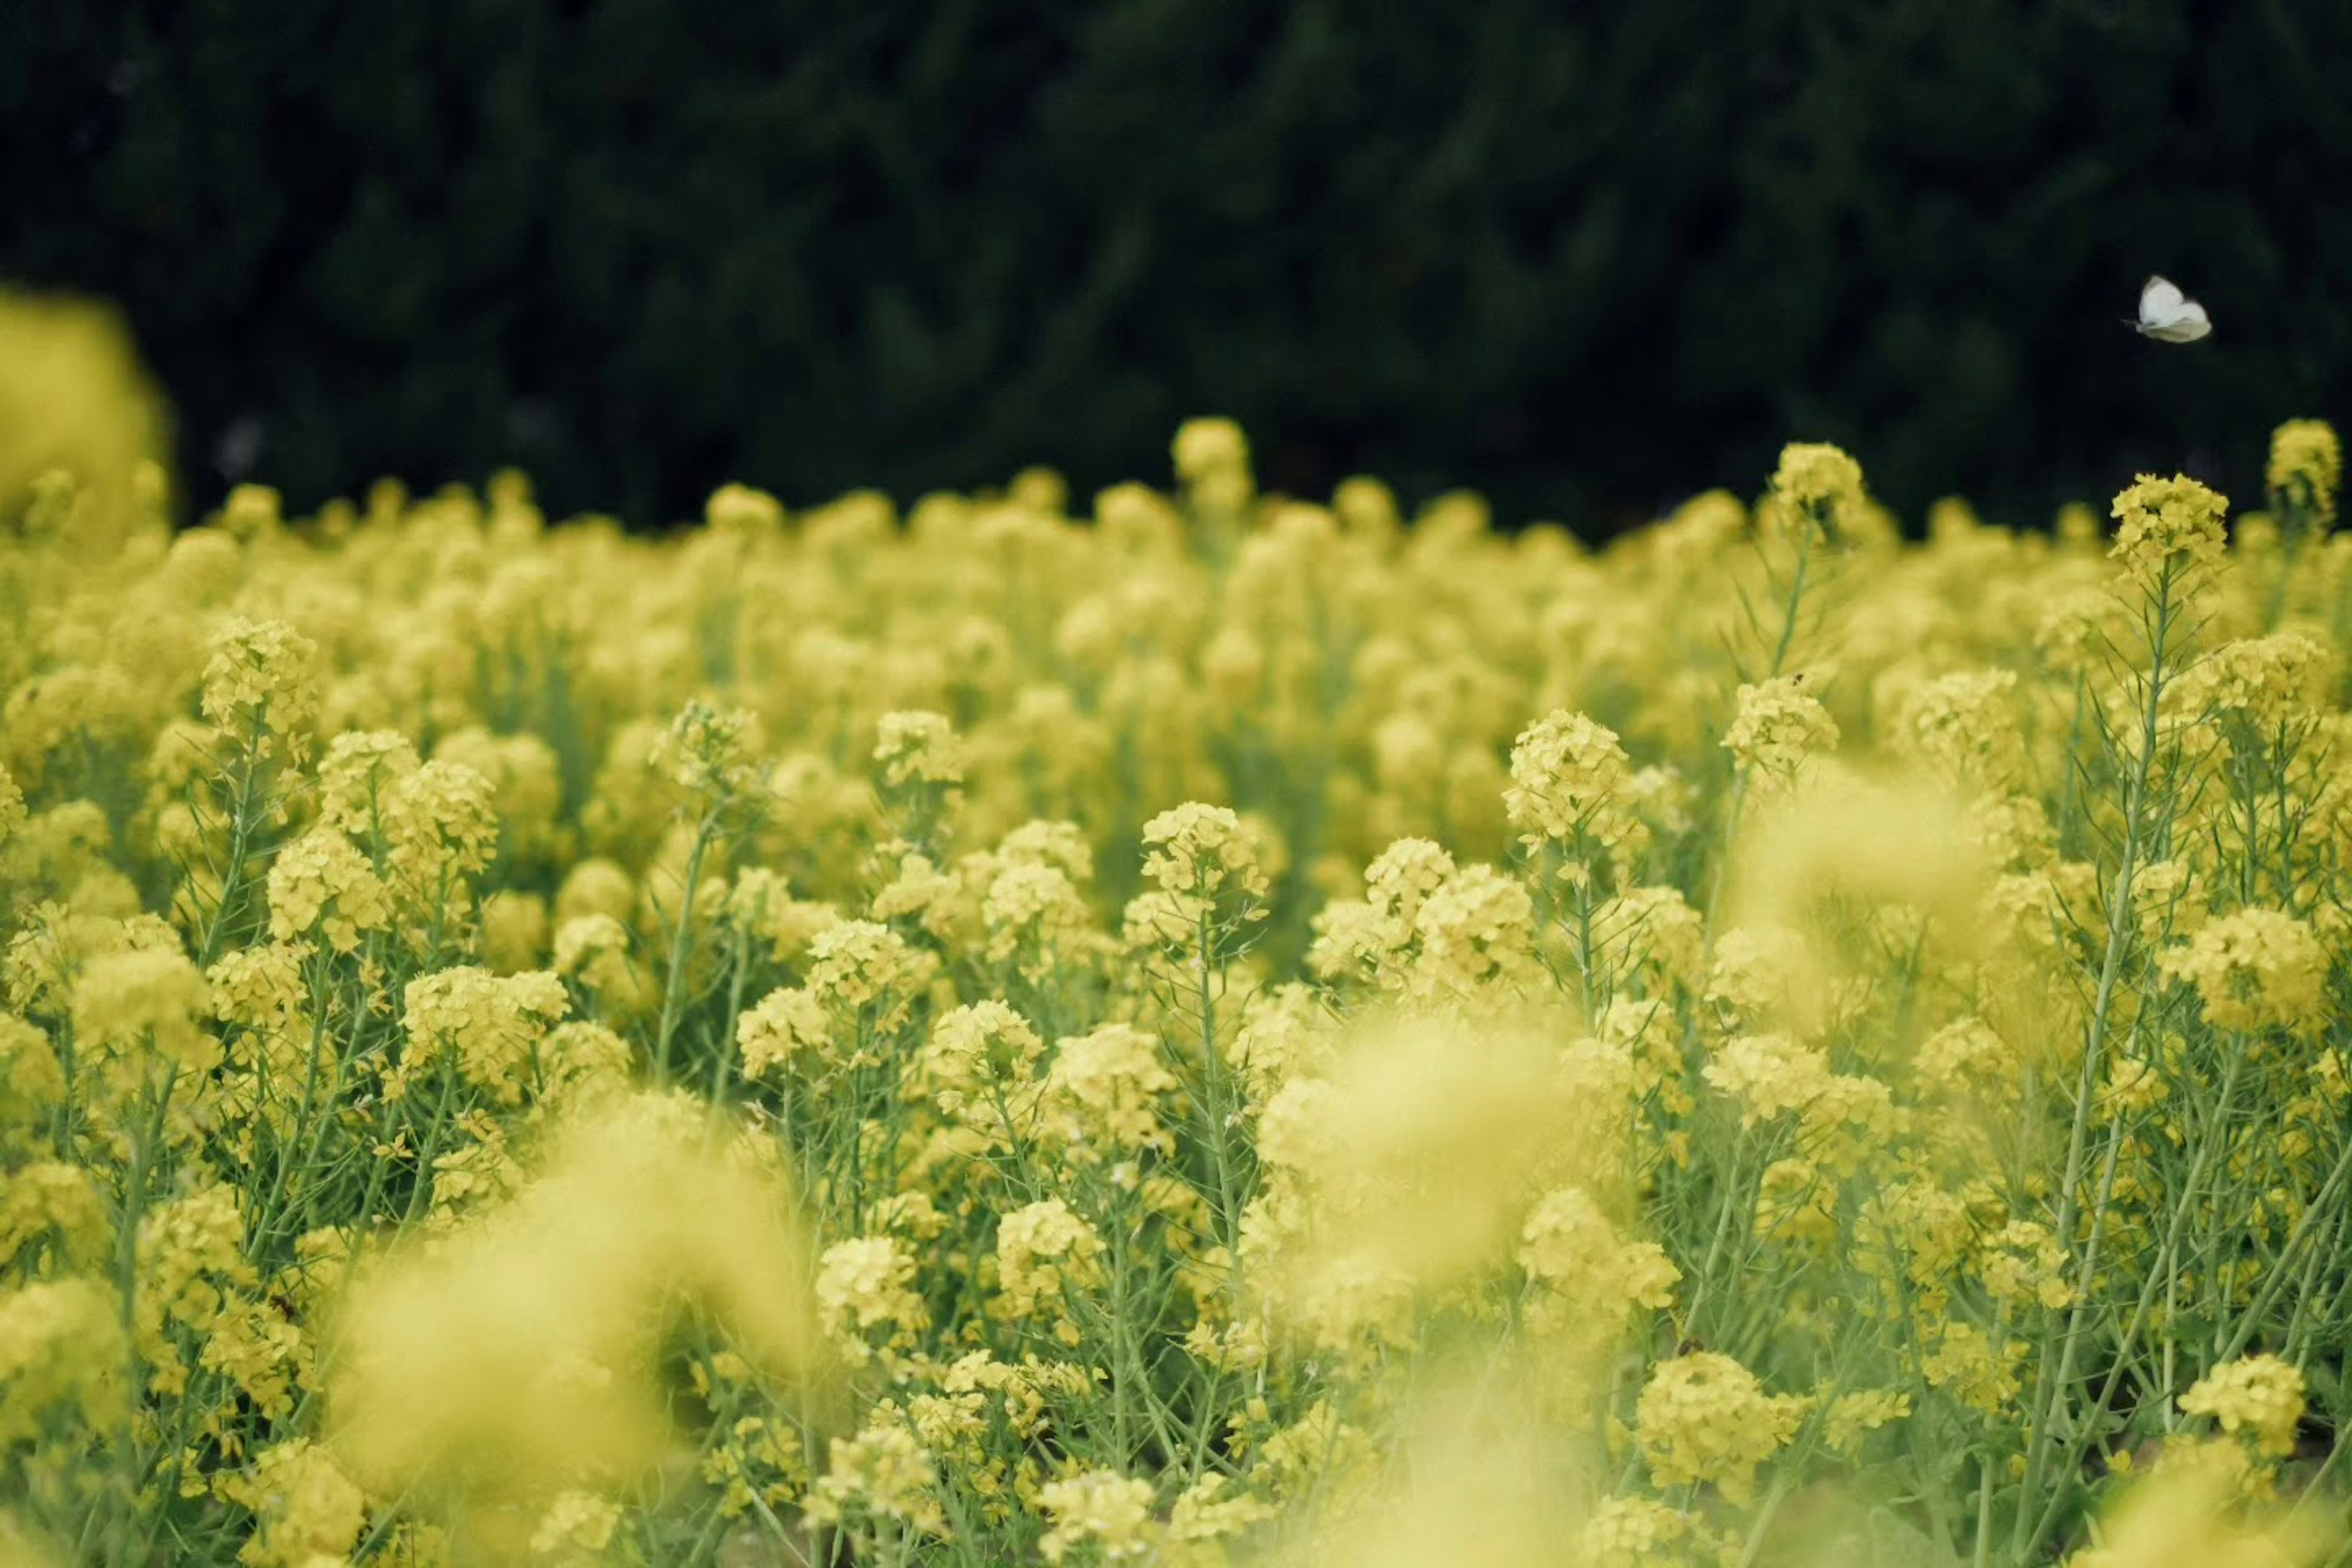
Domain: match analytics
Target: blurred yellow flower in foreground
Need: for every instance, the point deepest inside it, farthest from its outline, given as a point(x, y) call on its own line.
point(75, 402)
point(2182, 1518)
point(518, 1356)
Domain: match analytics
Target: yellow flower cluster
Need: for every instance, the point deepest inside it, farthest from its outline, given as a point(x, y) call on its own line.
point(1703, 1418)
point(1571, 788)
point(1778, 726)
point(1110, 1513)
point(2254, 969)
point(884, 1472)
point(1044, 1251)
point(2307, 466)
point(307, 1509)
point(1035, 1030)
point(917, 749)
point(864, 1284)
point(2260, 1396)
point(60, 1344)
point(489, 1027)
point(1102, 1094)
point(1640, 1533)
point(2168, 528)
point(1592, 1278)
point(1818, 479)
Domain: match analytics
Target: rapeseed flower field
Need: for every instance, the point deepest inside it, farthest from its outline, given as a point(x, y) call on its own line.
point(1183, 1027)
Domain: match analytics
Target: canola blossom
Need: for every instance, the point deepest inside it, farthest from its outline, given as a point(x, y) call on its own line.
point(1193, 1027)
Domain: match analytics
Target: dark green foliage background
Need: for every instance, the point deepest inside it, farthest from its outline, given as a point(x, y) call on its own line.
point(1589, 259)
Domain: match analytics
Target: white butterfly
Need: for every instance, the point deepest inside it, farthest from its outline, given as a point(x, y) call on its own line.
point(2169, 316)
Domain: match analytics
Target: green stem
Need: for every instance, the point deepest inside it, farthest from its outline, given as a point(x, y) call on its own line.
point(1213, 1084)
point(2325, 1202)
point(143, 1149)
point(2054, 1375)
point(681, 944)
point(241, 824)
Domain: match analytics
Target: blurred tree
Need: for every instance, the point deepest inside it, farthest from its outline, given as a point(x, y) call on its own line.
point(1589, 259)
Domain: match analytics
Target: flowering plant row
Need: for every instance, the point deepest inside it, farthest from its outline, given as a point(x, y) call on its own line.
point(1212, 1029)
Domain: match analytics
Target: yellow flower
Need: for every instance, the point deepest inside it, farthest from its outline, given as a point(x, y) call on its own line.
point(2307, 465)
point(1652, 932)
point(502, 1359)
point(741, 509)
point(1035, 918)
point(1966, 1364)
point(2261, 1397)
point(884, 1471)
point(2167, 526)
point(1769, 1075)
point(1851, 1418)
point(31, 1077)
point(2077, 627)
point(1703, 1418)
point(1475, 930)
point(261, 987)
point(918, 891)
point(1796, 1202)
point(710, 753)
point(583, 1057)
point(1203, 856)
point(1041, 1249)
point(514, 932)
point(577, 1527)
point(1103, 1094)
point(306, 1508)
point(978, 1059)
point(440, 824)
point(49, 1197)
point(488, 1025)
point(1570, 787)
point(1640, 1533)
point(60, 1346)
point(786, 1026)
point(1967, 1059)
point(251, 511)
point(1100, 1508)
point(2022, 1261)
point(2253, 969)
point(1817, 477)
point(1964, 728)
point(321, 883)
point(525, 774)
point(2188, 1513)
point(190, 1254)
point(359, 767)
point(75, 399)
point(2269, 682)
point(1318, 1450)
point(13, 815)
point(918, 749)
point(761, 904)
point(1779, 725)
point(867, 1283)
point(259, 685)
point(1569, 1245)
point(147, 998)
point(1209, 448)
point(593, 951)
point(864, 970)
point(261, 1352)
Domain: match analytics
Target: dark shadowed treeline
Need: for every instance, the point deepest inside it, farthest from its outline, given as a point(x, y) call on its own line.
point(1589, 259)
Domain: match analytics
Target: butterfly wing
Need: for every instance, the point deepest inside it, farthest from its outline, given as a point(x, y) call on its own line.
point(2169, 316)
point(2190, 325)
point(2160, 300)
